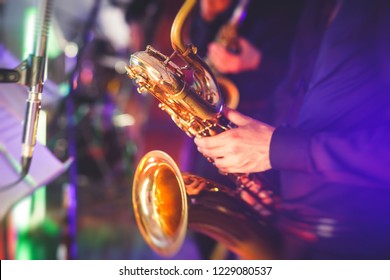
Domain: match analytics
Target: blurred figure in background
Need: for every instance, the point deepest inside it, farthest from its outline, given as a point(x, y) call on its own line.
point(264, 34)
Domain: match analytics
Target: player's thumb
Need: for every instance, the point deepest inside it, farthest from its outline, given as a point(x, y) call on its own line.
point(235, 116)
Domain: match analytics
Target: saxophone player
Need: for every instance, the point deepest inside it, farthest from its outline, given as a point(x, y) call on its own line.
point(331, 145)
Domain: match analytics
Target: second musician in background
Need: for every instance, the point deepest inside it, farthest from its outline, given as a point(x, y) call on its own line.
point(265, 33)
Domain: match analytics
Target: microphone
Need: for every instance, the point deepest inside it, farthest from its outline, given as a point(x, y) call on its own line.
point(36, 64)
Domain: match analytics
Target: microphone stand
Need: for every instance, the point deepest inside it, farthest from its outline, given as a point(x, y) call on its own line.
point(31, 73)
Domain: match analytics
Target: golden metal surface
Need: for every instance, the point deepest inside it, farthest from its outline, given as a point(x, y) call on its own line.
point(160, 202)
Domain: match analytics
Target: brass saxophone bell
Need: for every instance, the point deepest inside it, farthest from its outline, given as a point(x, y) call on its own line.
point(160, 203)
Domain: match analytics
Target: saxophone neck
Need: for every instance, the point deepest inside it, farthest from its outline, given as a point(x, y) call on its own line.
point(202, 74)
point(177, 29)
point(186, 51)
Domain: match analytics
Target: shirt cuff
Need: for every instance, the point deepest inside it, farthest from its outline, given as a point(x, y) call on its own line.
point(290, 150)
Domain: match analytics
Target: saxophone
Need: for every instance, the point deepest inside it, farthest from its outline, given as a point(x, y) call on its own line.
point(165, 200)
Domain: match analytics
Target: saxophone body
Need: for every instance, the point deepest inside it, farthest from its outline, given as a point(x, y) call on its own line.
point(166, 201)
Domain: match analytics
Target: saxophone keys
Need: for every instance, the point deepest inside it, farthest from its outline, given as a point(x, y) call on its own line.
point(130, 72)
point(141, 89)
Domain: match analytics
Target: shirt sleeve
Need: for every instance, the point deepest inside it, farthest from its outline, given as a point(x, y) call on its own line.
point(358, 156)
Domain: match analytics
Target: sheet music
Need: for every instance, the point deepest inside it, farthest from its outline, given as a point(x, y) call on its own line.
point(44, 166)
